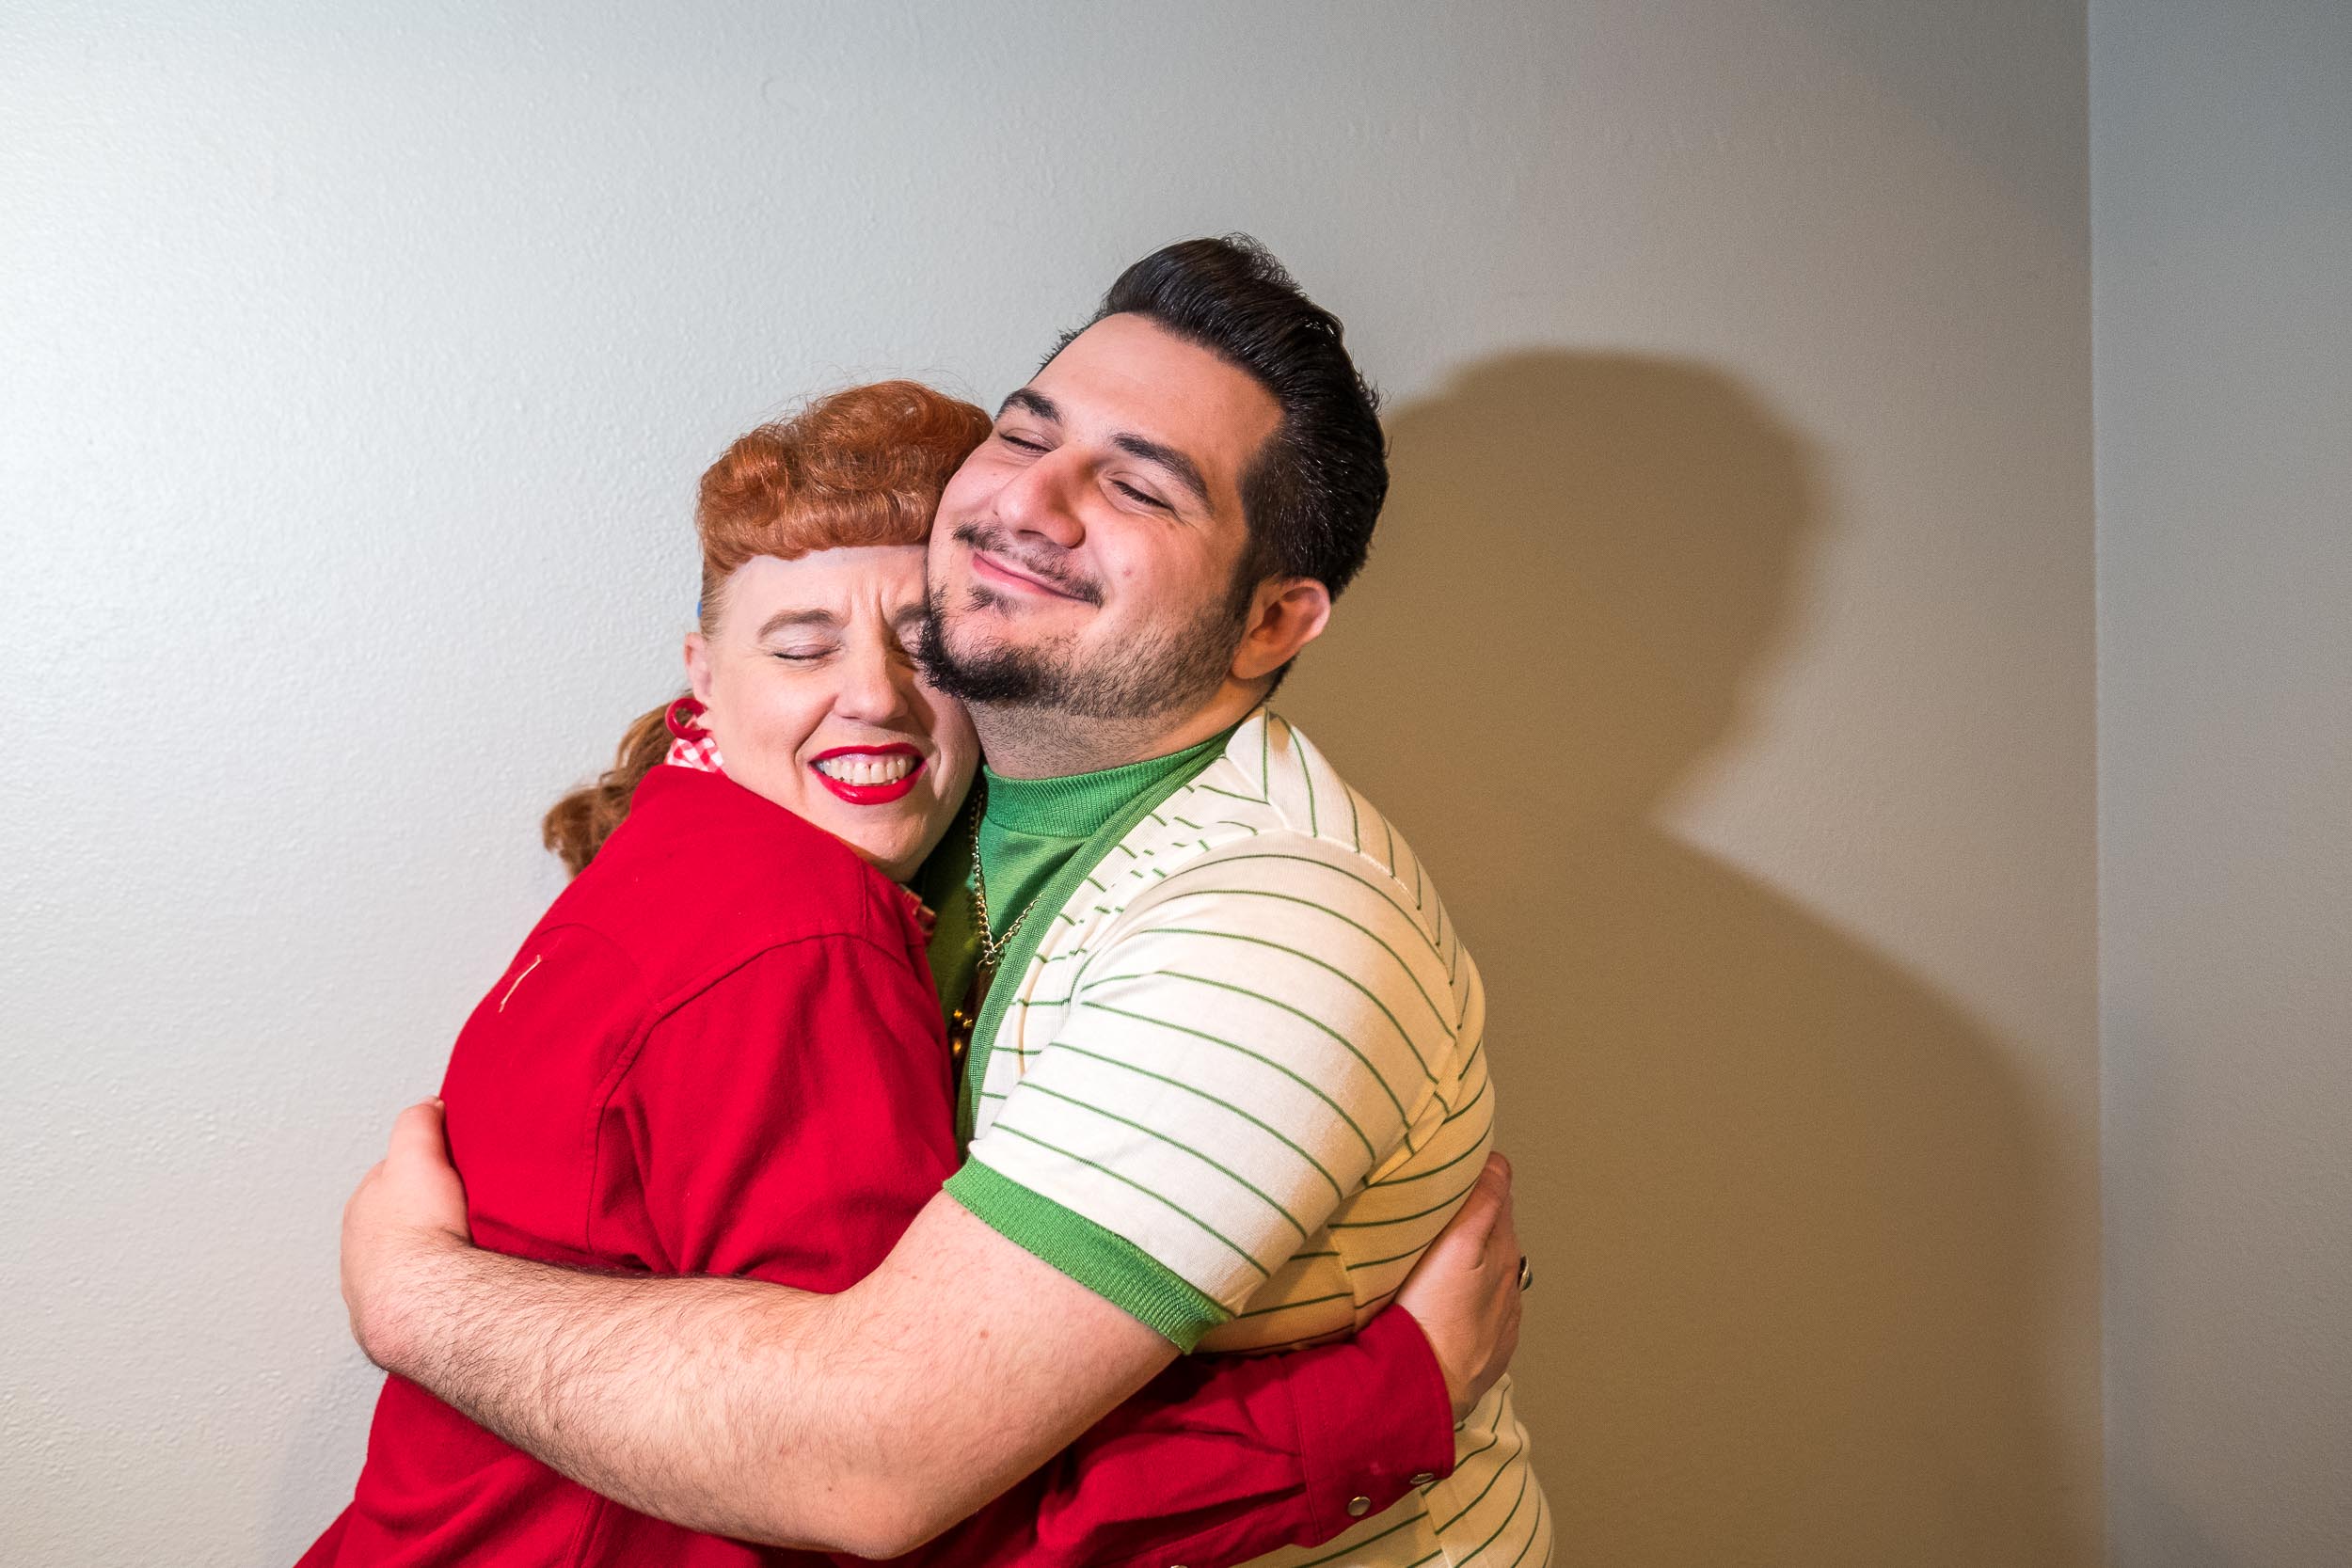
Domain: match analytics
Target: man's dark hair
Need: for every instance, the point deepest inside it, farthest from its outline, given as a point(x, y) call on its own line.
point(1314, 490)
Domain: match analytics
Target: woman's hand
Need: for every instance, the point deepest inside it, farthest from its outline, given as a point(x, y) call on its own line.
point(1465, 1291)
point(409, 1208)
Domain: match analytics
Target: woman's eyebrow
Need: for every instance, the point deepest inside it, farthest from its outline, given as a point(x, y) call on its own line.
point(784, 618)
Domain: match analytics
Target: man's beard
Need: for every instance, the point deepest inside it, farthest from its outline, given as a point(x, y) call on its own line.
point(1169, 669)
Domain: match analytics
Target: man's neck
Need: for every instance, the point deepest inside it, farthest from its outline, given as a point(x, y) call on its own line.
point(1032, 743)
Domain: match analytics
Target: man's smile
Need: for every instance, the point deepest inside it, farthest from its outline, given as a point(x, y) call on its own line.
point(998, 573)
point(999, 568)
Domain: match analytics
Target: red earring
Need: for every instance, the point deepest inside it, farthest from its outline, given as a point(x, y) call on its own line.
point(683, 720)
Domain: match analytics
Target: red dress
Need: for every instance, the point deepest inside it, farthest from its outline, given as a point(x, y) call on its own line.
point(720, 1053)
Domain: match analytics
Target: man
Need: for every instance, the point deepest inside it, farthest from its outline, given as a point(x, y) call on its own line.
point(1226, 1080)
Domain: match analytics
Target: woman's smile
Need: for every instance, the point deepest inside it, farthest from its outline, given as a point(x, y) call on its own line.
point(869, 775)
point(816, 700)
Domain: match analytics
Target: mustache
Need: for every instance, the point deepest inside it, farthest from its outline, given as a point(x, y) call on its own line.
point(1046, 568)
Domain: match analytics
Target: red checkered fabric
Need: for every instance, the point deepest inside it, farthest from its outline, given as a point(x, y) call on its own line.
point(692, 746)
point(700, 753)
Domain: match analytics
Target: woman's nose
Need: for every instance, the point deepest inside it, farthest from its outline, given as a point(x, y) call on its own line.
point(876, 685)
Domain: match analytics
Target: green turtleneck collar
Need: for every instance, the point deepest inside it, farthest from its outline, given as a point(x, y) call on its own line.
point(1077, 805)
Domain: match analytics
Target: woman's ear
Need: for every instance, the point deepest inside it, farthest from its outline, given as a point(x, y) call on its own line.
point(1285, 615)
point(699, 666)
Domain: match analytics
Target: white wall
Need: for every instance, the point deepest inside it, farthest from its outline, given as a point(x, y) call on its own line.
point(358, 365)
point(2222, 140)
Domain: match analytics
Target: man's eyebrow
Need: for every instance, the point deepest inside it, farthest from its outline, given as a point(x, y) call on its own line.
point(1179, 468)
point(1031, 402)
point(1183, 469)
point(784, 618)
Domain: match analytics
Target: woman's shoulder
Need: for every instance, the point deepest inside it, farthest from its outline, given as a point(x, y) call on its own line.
point(704, 872)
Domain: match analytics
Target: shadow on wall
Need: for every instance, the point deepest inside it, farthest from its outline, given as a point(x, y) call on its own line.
point(1782, 1201)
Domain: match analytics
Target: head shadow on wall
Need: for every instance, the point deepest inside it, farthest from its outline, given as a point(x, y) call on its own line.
point(1783, 1199)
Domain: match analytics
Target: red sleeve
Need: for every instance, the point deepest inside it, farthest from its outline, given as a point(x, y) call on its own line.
point(789, 1121)
point(1222, 1459)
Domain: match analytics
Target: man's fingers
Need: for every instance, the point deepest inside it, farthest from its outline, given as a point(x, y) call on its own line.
point(417, 1134)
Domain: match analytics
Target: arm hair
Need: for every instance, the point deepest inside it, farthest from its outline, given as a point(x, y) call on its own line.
point(865, 1422)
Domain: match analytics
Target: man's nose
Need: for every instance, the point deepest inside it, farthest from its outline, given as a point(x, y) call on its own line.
point(1042, 502)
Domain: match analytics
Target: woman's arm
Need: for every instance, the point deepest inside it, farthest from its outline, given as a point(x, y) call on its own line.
point(1223, 1459)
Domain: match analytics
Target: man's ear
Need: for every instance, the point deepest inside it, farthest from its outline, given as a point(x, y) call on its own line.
point(1285, 614)
point(699, 666)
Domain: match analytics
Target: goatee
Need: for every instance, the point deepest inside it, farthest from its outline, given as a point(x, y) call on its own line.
point(1166, 669)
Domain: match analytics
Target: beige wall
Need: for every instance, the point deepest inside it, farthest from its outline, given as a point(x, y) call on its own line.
point(1753, 642)
point(2223, 201)
point(1728, 651)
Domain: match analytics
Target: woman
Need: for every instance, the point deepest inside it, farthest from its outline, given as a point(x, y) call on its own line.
point(721, 1050)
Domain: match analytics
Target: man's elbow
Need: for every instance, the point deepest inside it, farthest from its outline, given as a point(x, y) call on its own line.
point(877, 1522)
point(885, 1528)
point(911, 1522)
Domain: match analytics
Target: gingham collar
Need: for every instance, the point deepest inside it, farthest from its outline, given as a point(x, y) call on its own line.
point(693, 747)
point(698, 751)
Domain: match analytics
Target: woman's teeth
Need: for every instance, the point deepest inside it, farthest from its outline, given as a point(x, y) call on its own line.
point(865, 770)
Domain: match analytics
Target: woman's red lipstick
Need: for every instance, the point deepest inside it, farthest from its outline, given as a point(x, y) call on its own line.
point(869, 794)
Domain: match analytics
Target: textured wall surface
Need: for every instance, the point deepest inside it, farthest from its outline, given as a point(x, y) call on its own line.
point(1728, 651)
point(2223, 210)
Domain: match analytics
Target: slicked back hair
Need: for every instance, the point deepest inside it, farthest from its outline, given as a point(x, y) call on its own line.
point(1313, 492)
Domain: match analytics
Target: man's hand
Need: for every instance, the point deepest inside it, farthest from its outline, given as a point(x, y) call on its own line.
point(1465, 1291)
point(410, 1208)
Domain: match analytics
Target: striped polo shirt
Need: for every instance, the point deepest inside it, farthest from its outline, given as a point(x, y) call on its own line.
point(1233, 1082)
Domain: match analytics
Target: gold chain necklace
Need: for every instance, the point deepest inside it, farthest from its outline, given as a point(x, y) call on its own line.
point(992, 946)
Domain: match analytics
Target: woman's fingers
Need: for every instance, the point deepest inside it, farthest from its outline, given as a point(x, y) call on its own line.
point(1464, 1291)
point(1494, 1189)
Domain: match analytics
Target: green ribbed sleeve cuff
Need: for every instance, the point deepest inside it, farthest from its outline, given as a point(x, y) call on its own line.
point(1103, 1261)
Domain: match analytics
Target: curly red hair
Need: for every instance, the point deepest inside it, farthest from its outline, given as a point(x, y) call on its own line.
point(863, 467)
point(857, 467)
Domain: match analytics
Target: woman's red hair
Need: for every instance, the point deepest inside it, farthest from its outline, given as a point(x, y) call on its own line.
point(861, 467)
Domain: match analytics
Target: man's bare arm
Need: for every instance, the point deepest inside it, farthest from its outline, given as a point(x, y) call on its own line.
point(864, 1422)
